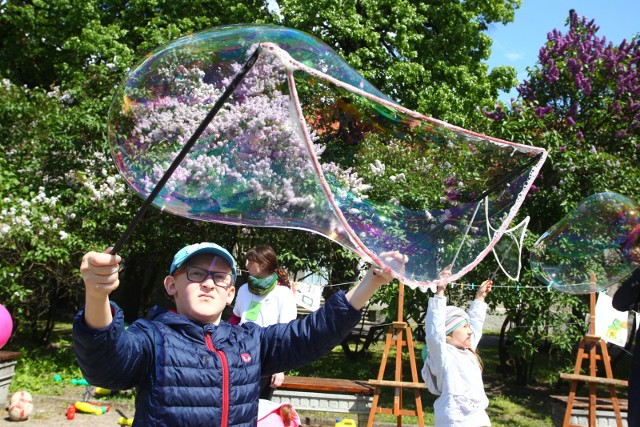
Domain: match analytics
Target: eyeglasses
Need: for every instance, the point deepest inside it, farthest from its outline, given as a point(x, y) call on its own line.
point(199, 275)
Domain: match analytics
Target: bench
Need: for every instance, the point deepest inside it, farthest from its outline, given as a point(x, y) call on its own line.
point(605, 414)
point(597, 380)
point(326, 395)
point(582, 402)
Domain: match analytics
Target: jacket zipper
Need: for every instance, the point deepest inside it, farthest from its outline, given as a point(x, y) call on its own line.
point(225, 380)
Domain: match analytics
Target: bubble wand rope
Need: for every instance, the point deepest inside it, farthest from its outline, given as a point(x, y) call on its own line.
point(466, 232)
point(185, 150)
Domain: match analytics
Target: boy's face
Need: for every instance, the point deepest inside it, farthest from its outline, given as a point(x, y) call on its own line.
point(203, 302)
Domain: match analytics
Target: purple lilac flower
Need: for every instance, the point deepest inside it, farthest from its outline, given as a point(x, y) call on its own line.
point(450, 181)
point(453, 195)
point(542, 111)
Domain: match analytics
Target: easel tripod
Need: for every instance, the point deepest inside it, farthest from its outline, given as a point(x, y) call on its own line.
point(588, 350)
point(395, 337)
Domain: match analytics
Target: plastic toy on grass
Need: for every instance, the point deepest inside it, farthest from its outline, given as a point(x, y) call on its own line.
point(99, 391)
point(91, 408)
point(346, 422)
point(71, 412)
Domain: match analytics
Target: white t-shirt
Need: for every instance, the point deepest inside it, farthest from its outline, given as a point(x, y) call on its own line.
point(278, 306)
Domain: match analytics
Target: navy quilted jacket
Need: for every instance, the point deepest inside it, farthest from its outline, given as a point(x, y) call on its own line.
point(190, 374)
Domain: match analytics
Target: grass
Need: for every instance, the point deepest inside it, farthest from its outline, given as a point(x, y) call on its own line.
point(510, 405)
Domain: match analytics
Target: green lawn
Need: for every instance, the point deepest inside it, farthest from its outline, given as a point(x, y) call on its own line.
point(510, 405)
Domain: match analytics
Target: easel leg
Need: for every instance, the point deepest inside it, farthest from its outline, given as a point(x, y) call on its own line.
point(414, 377)
point(593, 371)
point(612, 389)
point(574, 385)
point(383, 365)
point(397, 399)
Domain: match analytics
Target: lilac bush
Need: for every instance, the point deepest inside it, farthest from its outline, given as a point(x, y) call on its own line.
point(587, 88)
point(251, 147)
point(582, 102)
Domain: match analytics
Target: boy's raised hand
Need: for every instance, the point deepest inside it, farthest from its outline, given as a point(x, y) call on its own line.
point(100, 276)
point(395, 260)
point(100, 273)
point(375, 278)
point(484, 289)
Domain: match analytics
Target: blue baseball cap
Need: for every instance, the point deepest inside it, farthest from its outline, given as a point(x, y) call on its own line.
point(203, 248)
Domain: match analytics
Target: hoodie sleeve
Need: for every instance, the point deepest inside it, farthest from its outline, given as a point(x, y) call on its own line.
point(436, 341)
point(302, 341)
point(477, 315)
point(111, 357)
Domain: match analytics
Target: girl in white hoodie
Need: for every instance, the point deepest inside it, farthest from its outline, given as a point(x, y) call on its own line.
point(452, 368)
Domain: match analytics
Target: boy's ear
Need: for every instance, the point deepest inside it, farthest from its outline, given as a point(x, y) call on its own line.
point(230, 294)
point(170, 285)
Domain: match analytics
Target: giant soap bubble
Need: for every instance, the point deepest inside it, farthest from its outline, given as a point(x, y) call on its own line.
point(306, 143)
point(592, 248)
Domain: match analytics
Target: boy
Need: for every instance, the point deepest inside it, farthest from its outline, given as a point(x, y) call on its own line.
point(188, 367)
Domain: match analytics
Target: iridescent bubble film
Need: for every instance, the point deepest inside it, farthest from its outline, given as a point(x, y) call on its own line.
point(305, 142)
point(508, 250)
point(595, 246)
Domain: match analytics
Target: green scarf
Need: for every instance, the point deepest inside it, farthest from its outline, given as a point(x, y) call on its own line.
point(262, 286)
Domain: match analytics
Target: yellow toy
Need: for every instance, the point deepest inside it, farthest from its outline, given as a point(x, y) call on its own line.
point(345, 423)
point(90, 408)
point(125, 421)
point(104, 391)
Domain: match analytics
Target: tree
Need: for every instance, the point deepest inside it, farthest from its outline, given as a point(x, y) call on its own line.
point(427, 56)
point(60, 62)
point(61, 194)
point(56, 194)
point(582, 103)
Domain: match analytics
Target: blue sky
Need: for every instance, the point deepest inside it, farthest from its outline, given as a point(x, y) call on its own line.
point(517, 43)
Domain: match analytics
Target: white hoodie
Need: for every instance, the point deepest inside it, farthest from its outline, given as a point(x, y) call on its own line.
point(453, 373)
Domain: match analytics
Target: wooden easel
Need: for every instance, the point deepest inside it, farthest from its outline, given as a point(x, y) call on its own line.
point(395, 337)
point(588, 350)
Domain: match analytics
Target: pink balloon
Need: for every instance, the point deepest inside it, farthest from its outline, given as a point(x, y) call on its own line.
point(6, 325)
